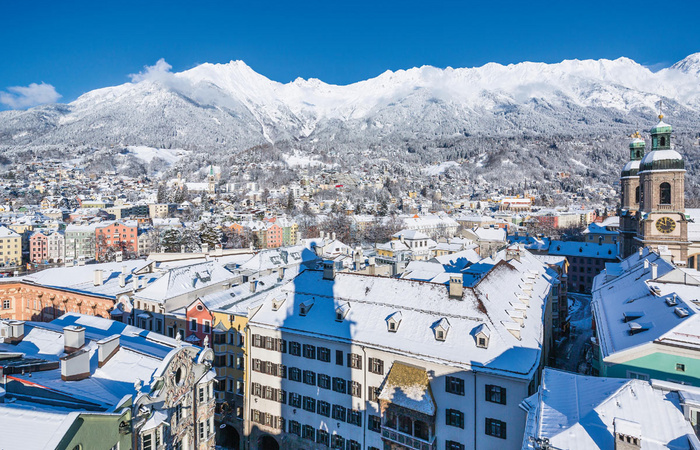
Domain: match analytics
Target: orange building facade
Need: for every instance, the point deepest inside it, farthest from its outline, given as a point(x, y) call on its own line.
point(26, 301)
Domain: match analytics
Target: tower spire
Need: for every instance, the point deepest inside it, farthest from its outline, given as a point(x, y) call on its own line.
point(660, 105)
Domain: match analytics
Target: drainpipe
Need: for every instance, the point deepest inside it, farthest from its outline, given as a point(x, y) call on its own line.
point(246, 391)
point(475, 402)
point(364, 393)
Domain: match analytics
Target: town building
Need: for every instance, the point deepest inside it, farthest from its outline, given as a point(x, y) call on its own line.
point(577, 412)
point(646, 315)
point(10, 248)
point(83, 382)
point(363, 362)
point(585, 261)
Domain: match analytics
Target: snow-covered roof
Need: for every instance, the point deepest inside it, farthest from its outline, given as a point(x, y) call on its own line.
point(82, 278)
point(409, 387)
point(374, 299)
point(19, 425)
point(631, 296)
point(184, 280)
point(410, 235)
point(6, 232)
point(582, 412)
point(586, 249)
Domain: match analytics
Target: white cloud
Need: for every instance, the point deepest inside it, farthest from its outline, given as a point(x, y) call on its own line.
point(18, 97)
point(157, 72)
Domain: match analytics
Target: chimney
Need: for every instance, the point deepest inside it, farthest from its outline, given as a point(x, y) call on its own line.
point(98, 278)
point(14, 332)
point(106, 348)
point(122, 280)
point(81, 260)
point(654, 271)
point(182, 248)
point(118, 257)
point(641, 251)
point(205, 248)
point(321, 233)
point(280, 274)
point(253, 284)
point(73, 338)
point(333, 236)
point(75, 366)
point(456, 286)
point(628, 434)
point(328, 270)
point(646, 263)
point(401, 238)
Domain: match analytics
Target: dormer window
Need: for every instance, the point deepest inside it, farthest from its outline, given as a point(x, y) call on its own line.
point(393, 322)
point(277, 303)
point(441, 328)
point(481, 334)
point(342, 311)
point(304, 307)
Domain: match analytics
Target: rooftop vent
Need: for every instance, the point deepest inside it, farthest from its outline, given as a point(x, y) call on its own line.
point(672, 301)
point(681, 312)
point(636, 328)
point(631, 315)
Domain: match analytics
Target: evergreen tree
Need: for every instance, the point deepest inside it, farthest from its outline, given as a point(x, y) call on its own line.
point(209, 235)
point(170, 240)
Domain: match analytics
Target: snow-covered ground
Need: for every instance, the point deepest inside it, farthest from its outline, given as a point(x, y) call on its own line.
point(300, 160)
point(147, 154)
point(440, 168)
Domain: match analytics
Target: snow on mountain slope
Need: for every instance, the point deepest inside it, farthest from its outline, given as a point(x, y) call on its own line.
point(230, 106)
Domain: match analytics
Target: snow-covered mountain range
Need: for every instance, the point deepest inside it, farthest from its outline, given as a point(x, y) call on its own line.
point(219, 109)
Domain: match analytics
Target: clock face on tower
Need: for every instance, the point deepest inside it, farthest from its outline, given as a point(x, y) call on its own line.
point(666, 225)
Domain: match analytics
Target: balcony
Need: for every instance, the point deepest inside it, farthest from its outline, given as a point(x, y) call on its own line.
point(407, 440)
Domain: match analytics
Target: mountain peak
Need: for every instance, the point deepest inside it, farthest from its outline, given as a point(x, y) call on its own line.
point(690, 64)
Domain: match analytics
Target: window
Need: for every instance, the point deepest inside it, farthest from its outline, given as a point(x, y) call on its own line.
point(309, 377)
point(324, 354)
point(147, 441)
point(295, 427)
point(337, 441)
point(307, 432)
point(309, 404)
point(6, 304)
point(637, 376)
point(354, 445)
point(373, 393)
point(496, 428)
point(339, 357)
point(193, 325)
point(454, 418)
point(322, 437)
point(355, 389)
point(202, 432)
point(374, 423)
point(665, 193)
point(376, 365)
point(295, 349)
point(294, 374)
point(354, 361)
point(495, 394)
point(324, 381)
point(452, 445)
point(324, 408)
point(206, 326)
point(309, 351)
point(355, 418)
point(339, 385)
point(454, 385)
point(680, 367)
point(295, 400)
point(339, 413)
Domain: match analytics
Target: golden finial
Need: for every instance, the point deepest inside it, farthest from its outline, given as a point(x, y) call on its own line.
point(636, 135)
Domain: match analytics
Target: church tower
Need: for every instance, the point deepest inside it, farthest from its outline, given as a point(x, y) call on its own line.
point(631, 192)
point(662, 220)
point(212, 180)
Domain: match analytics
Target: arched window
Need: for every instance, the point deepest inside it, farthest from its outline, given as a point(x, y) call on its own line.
point(665, 194)
point(636, 194)
point(662, 141)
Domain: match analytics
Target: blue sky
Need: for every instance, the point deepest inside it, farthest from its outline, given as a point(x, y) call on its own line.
point(76, 46)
